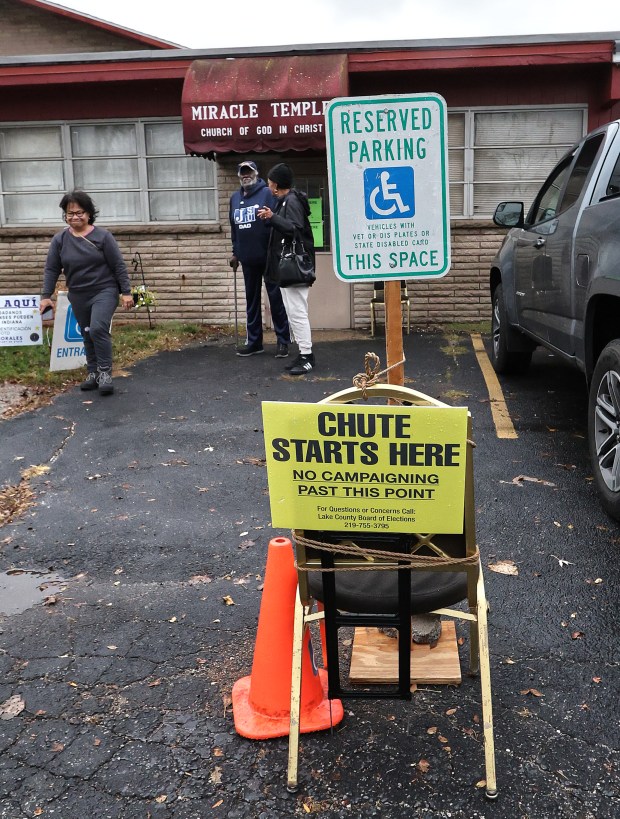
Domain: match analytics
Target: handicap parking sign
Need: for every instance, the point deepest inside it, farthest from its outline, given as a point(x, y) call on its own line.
point(389, 186)
point(72, 328)
point(389, 192)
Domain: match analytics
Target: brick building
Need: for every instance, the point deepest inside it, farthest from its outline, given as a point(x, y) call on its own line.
point(85, 103)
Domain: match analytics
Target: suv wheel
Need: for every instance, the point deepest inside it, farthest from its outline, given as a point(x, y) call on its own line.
point(503, 359)
point(604, 428)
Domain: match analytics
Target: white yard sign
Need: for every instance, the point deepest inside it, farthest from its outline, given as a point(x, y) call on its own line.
point(67, 343)
point(388, 181)
point(20, 321)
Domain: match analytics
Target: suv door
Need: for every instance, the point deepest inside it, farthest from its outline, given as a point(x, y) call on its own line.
point(557, 299)
point(532, 266)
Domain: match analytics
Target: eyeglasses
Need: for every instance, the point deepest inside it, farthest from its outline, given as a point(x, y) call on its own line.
point(75, 214)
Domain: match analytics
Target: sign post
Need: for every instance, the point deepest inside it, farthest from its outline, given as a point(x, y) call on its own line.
point(388, 181)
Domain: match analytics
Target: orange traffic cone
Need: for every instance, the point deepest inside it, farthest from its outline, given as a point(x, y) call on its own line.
point(262, 701)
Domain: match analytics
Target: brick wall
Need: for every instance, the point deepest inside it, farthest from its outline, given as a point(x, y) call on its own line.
point(462, 295)
point(27, 30)
point(184, 266)
point(187, 267)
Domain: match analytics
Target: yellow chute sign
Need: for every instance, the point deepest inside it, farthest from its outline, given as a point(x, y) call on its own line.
point(379, 468)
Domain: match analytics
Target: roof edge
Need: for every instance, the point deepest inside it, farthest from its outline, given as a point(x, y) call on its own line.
point(176, 53)
point(96, 22)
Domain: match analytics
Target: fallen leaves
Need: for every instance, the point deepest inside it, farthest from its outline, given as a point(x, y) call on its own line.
point(34, 471)
point(216, 776)
point(252, 461)
point(504, 567)
point(12, 707)
point(561, 561)
point(519, 480)
point(199, 578)
point(18, 398)
point(15, 501)
point(534, 692)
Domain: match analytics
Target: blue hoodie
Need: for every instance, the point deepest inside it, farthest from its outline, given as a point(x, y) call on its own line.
point(250, 235)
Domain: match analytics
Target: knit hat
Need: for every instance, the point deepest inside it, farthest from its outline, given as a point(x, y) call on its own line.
point(282, 175)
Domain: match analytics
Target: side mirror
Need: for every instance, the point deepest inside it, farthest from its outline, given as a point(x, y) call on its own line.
point(509, 214)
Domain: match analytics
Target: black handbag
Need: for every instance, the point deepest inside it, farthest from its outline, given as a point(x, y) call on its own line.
point(296, 266)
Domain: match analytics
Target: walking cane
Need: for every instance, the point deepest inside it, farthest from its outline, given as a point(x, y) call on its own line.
point(235, 266)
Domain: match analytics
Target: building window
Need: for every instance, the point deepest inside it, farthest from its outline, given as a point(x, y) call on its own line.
point(497, 155)
point(135, 172)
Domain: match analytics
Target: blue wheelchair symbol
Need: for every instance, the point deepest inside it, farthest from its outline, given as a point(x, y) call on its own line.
point(389, 193)
point(72, 328)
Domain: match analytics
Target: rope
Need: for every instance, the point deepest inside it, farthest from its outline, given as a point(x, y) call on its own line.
point(371, 374)
point(348, 547)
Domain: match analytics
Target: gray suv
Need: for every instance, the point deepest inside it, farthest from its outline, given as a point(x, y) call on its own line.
point(556, 282)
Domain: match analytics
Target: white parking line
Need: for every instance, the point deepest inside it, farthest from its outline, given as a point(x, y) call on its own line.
point(501, 417)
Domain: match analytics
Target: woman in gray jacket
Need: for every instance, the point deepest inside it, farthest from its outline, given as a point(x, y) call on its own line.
point(95, 272)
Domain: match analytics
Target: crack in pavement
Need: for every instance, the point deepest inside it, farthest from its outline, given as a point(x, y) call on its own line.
point(73, 426)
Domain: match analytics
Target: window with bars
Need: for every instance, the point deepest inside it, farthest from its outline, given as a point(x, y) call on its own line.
point(135, 172)
point(504, 154)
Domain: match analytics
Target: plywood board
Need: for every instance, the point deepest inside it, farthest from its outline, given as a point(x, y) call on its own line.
point(374, 658)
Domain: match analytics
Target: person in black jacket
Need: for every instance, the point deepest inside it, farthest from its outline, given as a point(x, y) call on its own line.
point(250, 238)
point(290, 214)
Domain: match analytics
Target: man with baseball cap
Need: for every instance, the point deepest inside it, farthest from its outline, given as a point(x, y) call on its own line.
point(250, 237)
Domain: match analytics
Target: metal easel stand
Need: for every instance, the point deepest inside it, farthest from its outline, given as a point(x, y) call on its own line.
point(438, 553)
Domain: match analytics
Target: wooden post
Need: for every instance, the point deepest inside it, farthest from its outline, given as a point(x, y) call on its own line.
point(394, 333)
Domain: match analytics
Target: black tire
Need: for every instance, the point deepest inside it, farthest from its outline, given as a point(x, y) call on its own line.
point(503, 359)
point(604, 428)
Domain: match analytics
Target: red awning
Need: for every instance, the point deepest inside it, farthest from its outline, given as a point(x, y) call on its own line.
point(260, 103)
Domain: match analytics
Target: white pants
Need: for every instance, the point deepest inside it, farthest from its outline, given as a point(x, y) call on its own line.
point(296, 302)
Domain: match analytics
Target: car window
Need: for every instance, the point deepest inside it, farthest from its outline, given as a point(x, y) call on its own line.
point(581, 171)
point(546, 203)
point(613, 186)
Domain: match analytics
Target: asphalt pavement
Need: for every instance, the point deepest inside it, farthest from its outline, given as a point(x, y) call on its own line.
point(150, 509)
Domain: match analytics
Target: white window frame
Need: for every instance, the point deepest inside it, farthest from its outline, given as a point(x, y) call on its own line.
point(469, 148)
point(141, 156)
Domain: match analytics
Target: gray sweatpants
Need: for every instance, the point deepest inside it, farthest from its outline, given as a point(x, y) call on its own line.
point(93, 312)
